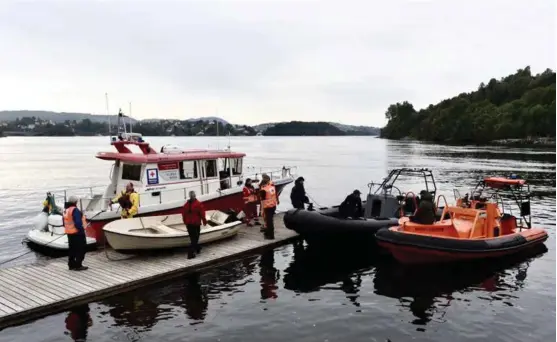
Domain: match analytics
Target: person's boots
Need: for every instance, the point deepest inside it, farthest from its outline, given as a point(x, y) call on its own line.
point(191, 254)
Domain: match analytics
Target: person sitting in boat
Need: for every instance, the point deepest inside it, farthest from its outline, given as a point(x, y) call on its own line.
point(250, 203)
point(298, 194)
point(128, 200)
point(352, 205)
point(426, 209)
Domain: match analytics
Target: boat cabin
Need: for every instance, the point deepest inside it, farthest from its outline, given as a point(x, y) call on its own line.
point(387, 200)
point(170, 174)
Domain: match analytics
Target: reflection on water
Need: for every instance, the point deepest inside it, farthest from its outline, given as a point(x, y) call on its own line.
point(194, 298)
point(269, 275)
point(427, 291)
point(78, 322)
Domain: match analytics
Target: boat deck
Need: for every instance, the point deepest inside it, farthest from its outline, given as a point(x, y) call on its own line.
point(36, 290)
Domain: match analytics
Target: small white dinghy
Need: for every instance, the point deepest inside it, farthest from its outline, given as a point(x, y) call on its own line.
point(49, 233)
point(162, 232)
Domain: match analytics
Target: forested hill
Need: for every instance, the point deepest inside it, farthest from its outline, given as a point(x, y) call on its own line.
point(519, 106)
point(299, 128)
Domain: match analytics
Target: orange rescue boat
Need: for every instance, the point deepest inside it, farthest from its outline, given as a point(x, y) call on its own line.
point(465, 233)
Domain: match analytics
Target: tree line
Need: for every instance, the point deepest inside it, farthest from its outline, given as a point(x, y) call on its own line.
point(518, 106)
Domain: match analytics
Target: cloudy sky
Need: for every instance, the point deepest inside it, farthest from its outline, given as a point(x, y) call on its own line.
point(260, 61)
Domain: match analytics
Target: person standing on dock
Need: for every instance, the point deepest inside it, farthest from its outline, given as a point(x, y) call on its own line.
point(193, 215)
point(298, 194)
point(250, 203)
point(128, 200)
point(269, 202)
point(74, 227)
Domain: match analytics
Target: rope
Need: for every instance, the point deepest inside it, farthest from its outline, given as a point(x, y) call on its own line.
point(30, 251)
point(314, 201)
point(113, 259)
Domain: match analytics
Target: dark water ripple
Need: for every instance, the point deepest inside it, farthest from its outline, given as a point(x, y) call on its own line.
point(296, 292)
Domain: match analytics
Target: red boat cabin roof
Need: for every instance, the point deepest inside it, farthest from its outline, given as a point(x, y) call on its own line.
point(501, 181)
point(151, 156)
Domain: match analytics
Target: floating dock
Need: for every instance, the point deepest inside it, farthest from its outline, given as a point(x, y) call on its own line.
point(32, 291)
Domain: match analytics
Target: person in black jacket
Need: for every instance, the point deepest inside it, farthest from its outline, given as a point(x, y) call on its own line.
point(298, 194)
point(426, 210)
point(352, 205)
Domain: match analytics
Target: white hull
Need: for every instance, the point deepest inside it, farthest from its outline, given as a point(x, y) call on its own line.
point(164, 232)
point(109, 214)
point(51, 240)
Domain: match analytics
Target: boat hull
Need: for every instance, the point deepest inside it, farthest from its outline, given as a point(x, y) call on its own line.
point(323, 227)
point(422, 249)
point(119, 241)
point(58, 242)
point(225, 202)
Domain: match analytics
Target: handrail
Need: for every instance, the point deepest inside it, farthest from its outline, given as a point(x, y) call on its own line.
point(445, 210)
point(474, 223)
point(285, 173)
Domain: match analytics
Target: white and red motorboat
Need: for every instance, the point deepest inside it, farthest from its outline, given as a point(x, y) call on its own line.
point(163, 180)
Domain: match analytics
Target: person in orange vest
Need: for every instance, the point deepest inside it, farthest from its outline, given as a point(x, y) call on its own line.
point(269, 202)
point(74, 227)
point(250, 203)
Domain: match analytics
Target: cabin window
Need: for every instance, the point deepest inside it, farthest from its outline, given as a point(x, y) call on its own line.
point(210, 168)
point(188, 169)
point(131, 172)
point(236, 166)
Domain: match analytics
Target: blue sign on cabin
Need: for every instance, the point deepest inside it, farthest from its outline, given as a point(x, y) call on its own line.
point(152, 176)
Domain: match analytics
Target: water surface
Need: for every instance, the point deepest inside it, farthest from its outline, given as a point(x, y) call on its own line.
point(296, 292)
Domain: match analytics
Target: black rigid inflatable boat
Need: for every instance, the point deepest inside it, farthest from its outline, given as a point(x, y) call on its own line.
point(381, 209)
point(324, 226)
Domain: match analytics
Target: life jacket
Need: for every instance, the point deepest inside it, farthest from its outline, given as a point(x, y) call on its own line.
point(125, 201)
point(249, 195)
point(270, 199)
point(69, 224)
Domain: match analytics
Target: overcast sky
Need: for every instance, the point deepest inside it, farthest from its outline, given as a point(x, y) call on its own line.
point(261, 61)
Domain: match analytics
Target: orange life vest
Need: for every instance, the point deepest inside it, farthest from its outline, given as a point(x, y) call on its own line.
point(270, 196)
point(69, 225)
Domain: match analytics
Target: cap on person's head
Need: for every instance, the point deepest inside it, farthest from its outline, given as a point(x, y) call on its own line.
point(300, 179)
point(248, 180)
point(356, 192)
point(72, 199)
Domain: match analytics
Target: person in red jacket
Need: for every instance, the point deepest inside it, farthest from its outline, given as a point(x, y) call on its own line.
point(250, 203)
point(193, 214)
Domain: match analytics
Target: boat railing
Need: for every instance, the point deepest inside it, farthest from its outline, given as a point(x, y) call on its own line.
point(96, 193)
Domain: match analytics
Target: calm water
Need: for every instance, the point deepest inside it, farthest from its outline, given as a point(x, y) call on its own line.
point(294, 292)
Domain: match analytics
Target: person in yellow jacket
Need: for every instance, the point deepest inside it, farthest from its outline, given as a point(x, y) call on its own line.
point(129, 201)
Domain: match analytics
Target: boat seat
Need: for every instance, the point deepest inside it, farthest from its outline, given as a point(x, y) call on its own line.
point(163, 229)
point(438, 229)
point(219, 217)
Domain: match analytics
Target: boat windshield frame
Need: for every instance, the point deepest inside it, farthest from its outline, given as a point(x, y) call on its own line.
point(501, 188)
point(387, 185)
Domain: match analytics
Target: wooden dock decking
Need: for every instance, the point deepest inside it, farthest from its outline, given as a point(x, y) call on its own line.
point(32, 291)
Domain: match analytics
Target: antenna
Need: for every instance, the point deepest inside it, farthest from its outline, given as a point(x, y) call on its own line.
point(108, 114)
point(130, 117)
point(217, 123)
